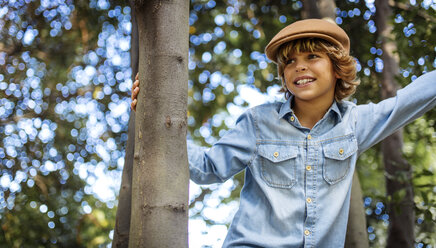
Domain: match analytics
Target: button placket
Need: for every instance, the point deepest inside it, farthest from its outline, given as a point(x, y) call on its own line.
point(313, 150)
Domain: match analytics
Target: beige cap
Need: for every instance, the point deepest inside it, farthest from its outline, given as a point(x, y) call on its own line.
point(308, 28)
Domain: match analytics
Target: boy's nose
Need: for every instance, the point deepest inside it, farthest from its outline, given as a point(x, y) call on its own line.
point(300, 68)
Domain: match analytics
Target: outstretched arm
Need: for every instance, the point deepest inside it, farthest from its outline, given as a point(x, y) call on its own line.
point(377, 121)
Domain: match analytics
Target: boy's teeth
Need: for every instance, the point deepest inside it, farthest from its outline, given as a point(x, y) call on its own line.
point(304, 81)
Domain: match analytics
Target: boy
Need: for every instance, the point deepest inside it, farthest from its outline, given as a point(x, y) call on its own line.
point(299, 156)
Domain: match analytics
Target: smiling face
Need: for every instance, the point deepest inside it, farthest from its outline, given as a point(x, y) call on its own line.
point(310, 77)
point(344, 65)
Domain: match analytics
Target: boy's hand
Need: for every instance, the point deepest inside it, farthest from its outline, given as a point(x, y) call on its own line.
point(135, 91)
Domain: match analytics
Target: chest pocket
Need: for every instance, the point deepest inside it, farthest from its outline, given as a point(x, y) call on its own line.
point(337, 159)
point(278, 165)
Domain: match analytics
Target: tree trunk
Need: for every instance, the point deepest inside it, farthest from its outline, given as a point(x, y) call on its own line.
point(122, 220)
point(357, 236)
point(397, 170)
point(160, 168)
point(324, 9)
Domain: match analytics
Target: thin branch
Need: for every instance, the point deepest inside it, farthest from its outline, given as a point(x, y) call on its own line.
point(408, 7)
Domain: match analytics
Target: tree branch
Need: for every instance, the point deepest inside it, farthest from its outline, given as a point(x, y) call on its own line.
point(408, 7)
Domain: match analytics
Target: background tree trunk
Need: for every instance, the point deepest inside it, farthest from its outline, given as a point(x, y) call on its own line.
point(357, 236)
point(122, 221)
point(324, 9)
point(397, 170)
point(160, 168)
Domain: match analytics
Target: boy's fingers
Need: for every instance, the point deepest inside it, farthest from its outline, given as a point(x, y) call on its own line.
point(135, 92)
point(137, 76)
point(133, 105)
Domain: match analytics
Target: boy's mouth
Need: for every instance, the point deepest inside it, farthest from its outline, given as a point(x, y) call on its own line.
point(303, 80)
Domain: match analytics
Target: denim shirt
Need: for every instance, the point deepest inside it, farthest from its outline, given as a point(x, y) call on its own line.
point(298, 180)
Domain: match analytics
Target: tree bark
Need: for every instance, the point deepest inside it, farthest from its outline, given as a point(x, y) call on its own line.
point(319, 9)
point(397, 170)
point(122, 220)
point(160, 168)
point(357, 236)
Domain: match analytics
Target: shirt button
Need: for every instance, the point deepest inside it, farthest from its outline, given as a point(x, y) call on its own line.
point(292, 118)
point(306, 232)
point(309, 136)
point(341, 151)
point(308, 200)
point(276, 154)
point(308, 167)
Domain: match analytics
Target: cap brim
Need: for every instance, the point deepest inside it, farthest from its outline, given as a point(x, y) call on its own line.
point(272, 49)
point(308, 28)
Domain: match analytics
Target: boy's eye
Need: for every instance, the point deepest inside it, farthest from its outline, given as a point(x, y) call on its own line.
point(313, 56)
point(289, 61)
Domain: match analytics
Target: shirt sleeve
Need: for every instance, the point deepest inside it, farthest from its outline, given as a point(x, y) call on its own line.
point(231, 154)
point(377, 121)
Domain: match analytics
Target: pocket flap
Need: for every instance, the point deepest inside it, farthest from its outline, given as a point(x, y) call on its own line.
point(341, 149)
point(277, 153)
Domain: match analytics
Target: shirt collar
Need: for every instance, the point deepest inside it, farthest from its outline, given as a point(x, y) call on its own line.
point(335, 109)
point(287, 108)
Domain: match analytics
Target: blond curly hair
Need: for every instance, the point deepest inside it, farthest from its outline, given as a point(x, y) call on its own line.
point(344, 65)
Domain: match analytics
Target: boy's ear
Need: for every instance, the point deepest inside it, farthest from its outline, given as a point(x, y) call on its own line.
point(337, 75)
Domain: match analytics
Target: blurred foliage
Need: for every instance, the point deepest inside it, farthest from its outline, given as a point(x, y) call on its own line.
point(61, 82)
point(64, 99)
